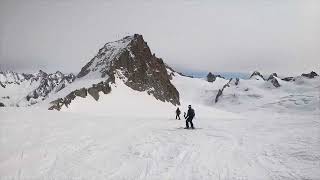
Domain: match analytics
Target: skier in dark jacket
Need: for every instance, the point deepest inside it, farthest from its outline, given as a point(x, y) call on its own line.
point(189, 117)
point(178, 112)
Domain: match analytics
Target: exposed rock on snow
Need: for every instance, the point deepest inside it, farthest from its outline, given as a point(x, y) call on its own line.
point(211, 77)
point(235, 81)
point(272, 78)
point(221, 90)
point(288, 79)
point(33, 88)
point(1, 104)
point(275, 82)
point(83, 92)
point(49, 82)
point(218, 95)
point(100, 87)
point(256, 75)
point(312, 74)
point(141, 70)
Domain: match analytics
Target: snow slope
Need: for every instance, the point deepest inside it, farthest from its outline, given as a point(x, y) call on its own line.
point(40, 144)
point(299, 96)
point(129, 135)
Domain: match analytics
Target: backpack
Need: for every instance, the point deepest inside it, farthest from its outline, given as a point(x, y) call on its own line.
point(192, 112)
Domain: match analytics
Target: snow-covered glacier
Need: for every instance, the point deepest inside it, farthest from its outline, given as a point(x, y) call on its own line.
point(257, 128)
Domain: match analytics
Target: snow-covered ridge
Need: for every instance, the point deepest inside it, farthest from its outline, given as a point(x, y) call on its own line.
point(299, 94)
point(20, 89)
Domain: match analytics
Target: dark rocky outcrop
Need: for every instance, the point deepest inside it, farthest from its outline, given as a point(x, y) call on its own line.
point(272, 78)
point(211, 77)
point(218, 95)
point(221, 90)
point(1, 104)
point(100, 87)
point(256, 73)
point(2, 85)
point(47, 82)
point(139, 68)
point(275, 82)
point(83, 92)
point(237, 81)
point(310, 75)
point(50, 82)
point(288, 79)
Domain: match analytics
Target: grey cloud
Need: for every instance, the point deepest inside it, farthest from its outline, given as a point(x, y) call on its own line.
point(280, 36)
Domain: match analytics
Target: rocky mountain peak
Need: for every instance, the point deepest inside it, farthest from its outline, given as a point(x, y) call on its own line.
point(257, 75)
point(131, 60)
point(110, 52)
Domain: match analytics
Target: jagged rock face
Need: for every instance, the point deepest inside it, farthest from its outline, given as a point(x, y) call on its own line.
point(83, 92)
point(50, 82)
point(256, 73)
point(42, 82)
point(310, 75)
point(131, 59)
point(1, 104)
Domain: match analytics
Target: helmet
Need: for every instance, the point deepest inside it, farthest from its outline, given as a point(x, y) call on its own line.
point(189, 106)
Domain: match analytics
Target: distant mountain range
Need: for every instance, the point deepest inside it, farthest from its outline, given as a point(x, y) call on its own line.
point(130, 61)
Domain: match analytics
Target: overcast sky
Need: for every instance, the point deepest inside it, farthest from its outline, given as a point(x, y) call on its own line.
point(190, 35)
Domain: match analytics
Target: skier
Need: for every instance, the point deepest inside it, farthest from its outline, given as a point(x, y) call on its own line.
point(189, 117)
point(178, 112)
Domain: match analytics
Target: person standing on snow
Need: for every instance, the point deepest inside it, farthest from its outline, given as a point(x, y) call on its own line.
point(178, 112)
point(189, 117)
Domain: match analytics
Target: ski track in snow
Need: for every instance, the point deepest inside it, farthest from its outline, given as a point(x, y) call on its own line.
point(60, 145)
